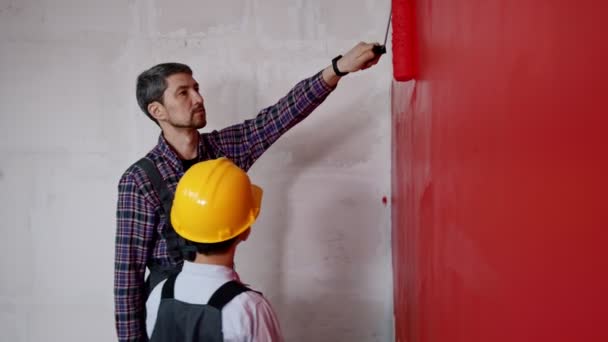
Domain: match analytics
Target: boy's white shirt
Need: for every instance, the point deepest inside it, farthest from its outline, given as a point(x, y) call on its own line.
point(247, 318)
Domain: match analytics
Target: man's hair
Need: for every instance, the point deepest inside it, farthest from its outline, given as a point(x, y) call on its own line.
point(152, 83)
point(210, 248)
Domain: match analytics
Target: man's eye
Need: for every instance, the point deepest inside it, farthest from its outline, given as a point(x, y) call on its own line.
point(183, 92)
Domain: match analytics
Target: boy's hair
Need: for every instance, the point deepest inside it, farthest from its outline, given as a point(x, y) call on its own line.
point(210, 248)
point(152, 83)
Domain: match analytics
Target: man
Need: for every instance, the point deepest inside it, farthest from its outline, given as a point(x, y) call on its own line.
point(169, 95)
point(214, 208)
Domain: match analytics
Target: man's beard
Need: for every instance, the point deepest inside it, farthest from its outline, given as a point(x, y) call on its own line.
point(196, 121)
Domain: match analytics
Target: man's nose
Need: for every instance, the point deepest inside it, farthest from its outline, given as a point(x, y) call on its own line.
point(197, 98)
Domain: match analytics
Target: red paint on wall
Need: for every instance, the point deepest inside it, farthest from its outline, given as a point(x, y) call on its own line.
point(500, 167)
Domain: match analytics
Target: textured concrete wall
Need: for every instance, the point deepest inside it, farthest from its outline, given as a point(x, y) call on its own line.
point(70, 126)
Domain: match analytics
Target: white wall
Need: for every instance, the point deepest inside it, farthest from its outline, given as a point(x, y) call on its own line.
point(70, 126)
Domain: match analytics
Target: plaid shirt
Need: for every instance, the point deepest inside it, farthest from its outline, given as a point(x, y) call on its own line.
point(140, 218)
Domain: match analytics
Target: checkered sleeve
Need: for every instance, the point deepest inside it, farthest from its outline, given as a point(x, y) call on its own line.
point(244, 143)
point(135, 222)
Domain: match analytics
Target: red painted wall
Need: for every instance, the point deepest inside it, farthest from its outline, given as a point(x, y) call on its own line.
point(500, 167)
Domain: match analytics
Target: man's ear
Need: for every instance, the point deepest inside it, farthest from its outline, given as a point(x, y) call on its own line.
point(157, 110)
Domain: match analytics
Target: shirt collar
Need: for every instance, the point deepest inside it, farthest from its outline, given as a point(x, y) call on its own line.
point(165, 150)
point(212, 271)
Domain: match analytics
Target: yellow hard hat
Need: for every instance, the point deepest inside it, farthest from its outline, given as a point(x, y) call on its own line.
point(214, 202)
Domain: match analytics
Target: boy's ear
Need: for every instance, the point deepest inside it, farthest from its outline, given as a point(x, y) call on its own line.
point(245, 235)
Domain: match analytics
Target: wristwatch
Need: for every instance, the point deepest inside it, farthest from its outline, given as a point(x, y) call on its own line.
point(334, 64)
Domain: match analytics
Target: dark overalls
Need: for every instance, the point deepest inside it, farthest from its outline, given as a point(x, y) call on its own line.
point(176, 245)
point(185, 322)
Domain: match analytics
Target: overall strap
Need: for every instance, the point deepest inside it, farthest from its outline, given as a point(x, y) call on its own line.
point(225, 293)
point(166, 197)
point(175, 243)
point(169, 288)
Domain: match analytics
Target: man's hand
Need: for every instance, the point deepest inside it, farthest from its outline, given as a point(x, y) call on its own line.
point(358, 58)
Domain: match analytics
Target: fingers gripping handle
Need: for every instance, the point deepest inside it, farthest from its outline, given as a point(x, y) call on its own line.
point(379, 49)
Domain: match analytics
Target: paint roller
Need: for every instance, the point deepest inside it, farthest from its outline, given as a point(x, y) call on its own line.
point(404, 40)
point(404, 62)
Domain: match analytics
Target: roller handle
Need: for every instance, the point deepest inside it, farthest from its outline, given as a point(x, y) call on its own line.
point(379, 49)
